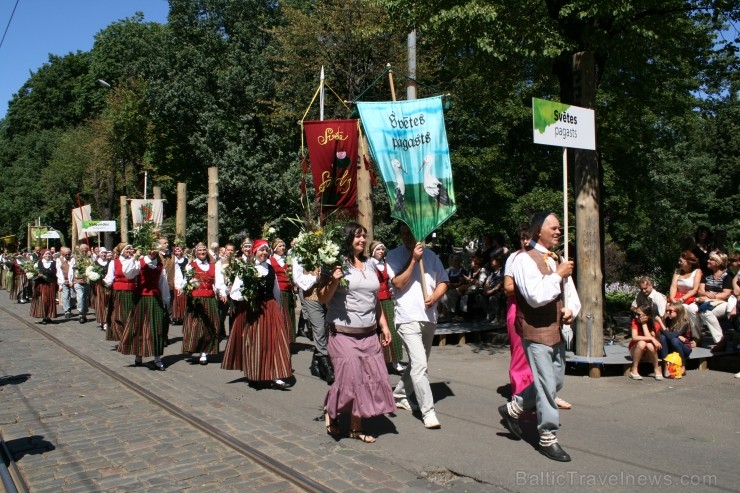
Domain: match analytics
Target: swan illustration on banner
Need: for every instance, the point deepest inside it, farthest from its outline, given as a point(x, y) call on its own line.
point(432, 185)
point(398, 169)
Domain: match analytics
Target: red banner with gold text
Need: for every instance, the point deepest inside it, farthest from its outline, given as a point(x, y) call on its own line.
point(332, 152)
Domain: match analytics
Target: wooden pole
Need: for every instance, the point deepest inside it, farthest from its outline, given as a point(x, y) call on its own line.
point(390, 81)
point(587, 190)
point(124, 218)
point(180, 224)
point(212, 205)
point(364, 191)
point(157, 191)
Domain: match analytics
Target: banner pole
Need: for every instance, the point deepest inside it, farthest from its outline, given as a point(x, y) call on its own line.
point(565, 218)
point(390, 81)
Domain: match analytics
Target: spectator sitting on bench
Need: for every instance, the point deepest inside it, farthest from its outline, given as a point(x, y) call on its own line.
point(680, 336)
point(449, 306)
point(649, 296)
point(471, 290)
point(493, 292)
point(714, 294)
point(645, 331)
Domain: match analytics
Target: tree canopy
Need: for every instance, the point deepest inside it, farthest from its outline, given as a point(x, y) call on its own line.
point(225, 82)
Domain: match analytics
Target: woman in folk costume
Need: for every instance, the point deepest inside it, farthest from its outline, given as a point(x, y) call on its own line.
point(121, 278)
point(393, 352)
point(144, 332)
point(266, 345)
point(21, 284)
point(101, 292)
point(44, 301)
point(282, 274)
point(202, 325)
point(179, 300)
point(233, 358)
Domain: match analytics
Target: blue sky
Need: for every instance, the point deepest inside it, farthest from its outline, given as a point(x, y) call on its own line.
point(40, 27)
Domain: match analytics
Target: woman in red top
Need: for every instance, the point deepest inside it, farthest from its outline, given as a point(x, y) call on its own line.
point(202, 325)
point(121, 278)
point(282, 276)
point(393, 352)
point(645, 331)
point(144, 333)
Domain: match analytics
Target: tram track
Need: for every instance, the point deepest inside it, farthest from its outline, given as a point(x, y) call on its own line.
point(265, 461)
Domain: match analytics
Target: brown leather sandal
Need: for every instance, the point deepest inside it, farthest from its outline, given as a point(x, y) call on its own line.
point(361, 436)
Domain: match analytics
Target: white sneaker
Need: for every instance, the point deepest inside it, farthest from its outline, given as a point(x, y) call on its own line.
point(431, 422)
point(203, 359)
point(403, 404)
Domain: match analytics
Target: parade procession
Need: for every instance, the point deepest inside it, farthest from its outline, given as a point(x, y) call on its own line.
point(371, 246)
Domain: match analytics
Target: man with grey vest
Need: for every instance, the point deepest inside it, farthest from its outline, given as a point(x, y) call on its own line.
point(546, 299)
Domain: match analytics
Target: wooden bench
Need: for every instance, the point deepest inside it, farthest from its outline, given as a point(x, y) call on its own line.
point(463, 330)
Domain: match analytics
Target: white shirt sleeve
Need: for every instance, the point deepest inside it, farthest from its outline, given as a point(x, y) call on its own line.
point(302, 280)
point(219, 284)
point(110, 275)
point(539, 290)
point(130, 267)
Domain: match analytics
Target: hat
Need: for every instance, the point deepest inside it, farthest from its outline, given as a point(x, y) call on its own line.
point(259, 244)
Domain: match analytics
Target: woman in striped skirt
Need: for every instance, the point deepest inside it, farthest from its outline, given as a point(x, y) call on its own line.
point(102, 293)
point(266, 346)
point(282, 274)
point(393, 352)
point(233, 358)
point(143, 334)
point(121, 279)
point(179, 301)
point(44, 300)
point(202, 325)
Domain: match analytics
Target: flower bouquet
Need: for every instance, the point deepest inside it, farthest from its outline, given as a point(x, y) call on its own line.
point(251, 281)
point(191, 281)
point(32, 272)
point(82, 263)
point(95, 273)
point(316, 250)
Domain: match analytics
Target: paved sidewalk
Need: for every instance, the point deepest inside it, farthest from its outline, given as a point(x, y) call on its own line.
point(620, 433)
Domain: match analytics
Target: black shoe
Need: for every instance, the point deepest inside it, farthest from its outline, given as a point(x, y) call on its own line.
point(327, 371)
point(83, 319)
point(67, 315)
point(554, 452)
point(281, 384)
point(511, 423)
point(159, 365)
point(314, 368)
point(138, 362)
point(43, 321)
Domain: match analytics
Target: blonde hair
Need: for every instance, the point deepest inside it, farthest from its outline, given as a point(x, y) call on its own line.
point(720, 258)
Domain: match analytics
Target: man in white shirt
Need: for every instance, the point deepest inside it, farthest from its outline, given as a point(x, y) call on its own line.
point(416, 319)
point(648, 295)
point(546, 299)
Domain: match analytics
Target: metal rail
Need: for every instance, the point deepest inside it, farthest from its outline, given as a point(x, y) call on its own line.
point(269, 463)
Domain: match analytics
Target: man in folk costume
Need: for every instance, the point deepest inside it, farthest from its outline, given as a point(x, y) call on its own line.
point(64, 269)
point(201, 327)
point(78, 264)
point(282, 270)
point(144, 333)
point(540, 283)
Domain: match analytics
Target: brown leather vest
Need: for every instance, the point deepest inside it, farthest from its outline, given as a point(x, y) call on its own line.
point(540, 325)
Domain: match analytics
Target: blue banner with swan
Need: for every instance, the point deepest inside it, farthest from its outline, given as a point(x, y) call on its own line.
point(408, 143)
